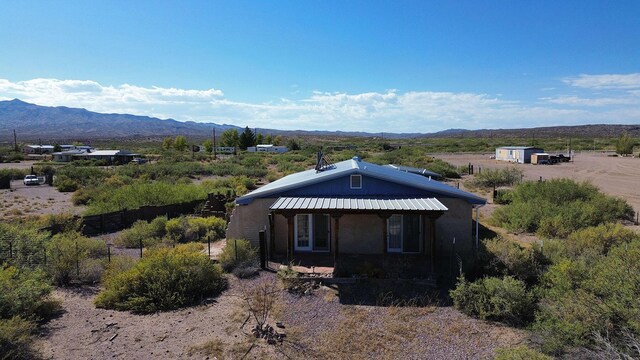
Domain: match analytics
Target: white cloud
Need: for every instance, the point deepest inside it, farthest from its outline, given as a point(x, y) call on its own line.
point(388, 111)
point(605, 81)
point(603, 101)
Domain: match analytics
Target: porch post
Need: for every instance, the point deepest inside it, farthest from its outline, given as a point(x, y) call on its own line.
point(432, 226)
point(336, 246)
point(290, 235)
point(272, 235)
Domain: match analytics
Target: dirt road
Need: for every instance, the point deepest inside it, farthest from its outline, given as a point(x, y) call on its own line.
point(618, 176)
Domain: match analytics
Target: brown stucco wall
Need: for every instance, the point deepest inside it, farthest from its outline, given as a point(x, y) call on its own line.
point(455, 223)
point(248, 220)
point(360, 234)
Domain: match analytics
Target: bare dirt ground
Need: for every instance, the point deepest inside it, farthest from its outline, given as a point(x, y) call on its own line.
point(317, 326)
point(618, 176)
point(22, 200)
point(18, 165)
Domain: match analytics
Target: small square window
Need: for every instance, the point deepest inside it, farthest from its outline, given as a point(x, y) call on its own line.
point(356, 181)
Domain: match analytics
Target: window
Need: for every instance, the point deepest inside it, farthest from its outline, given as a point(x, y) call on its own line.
point(404, 233)
point(312, 232)
point(356, 181)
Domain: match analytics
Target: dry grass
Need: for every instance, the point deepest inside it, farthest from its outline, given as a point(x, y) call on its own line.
point(213, 348)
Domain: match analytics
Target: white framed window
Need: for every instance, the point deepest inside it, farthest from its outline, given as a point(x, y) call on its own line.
point(312, 232)
point(356, 181)
point(404, 233)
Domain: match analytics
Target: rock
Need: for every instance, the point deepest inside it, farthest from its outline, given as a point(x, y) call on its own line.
point(280, 325)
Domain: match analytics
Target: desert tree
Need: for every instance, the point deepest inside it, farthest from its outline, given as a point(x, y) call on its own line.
point(208, 146)
point(624, 144)
point(180, 143)
point(247, 139)
point(167, 143)
point(230, 137)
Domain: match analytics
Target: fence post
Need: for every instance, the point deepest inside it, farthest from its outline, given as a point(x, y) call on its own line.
point(141, 248)
point(263, 250)
point(77, 260)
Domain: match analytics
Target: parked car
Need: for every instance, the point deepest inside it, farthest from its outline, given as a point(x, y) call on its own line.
point(31, 180)
point(138, 161)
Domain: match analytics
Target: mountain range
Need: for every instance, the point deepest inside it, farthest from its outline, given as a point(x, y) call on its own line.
point(33, 122)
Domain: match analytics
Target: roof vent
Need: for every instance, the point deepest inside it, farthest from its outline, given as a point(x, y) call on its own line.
point(356, 158)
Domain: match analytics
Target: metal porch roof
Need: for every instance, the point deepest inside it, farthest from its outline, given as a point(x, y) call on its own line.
point(319, 203)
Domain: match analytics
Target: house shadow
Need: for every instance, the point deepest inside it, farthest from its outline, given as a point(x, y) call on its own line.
point(391, 292)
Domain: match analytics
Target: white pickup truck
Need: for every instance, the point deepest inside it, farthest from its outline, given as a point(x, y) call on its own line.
point(31, 180)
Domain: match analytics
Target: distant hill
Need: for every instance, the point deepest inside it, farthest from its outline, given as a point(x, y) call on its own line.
point(33, 122)
point(598, 130)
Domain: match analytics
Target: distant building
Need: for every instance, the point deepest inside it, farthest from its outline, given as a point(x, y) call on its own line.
point(37, 149)
point(268, 148)
point(110, 156)
point(517, 154)
point(66, 156)
point(225, 149)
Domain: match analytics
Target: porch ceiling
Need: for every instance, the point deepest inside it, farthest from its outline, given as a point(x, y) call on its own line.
point(312, 204)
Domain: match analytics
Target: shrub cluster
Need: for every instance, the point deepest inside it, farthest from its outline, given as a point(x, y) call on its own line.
point(501, 257)
point(499, 299)
point(73, 257)
point(489, 178)
point(585, 296)
point(164, 279)
point(178, 230)
point(24, 300)
point(556, 208)
point(239, 257)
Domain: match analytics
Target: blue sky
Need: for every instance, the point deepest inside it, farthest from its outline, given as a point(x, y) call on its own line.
point(378, 66)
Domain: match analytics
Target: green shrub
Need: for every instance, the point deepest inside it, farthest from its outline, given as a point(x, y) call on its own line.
point(177, 229)
point(25, 243)
point(504, 257)
point(65, 184)
point(25, 293)
point(583, 297)
point(70, 252)
point(489, 178)
point(498, 299)
point(62, 222)
point(520, 353)
point(556, 208)
point(164, 279)
point(16, 339)
point(237, 253)
point(142, 232)
point(82, 196)
point(594, 242)
point(203, 227)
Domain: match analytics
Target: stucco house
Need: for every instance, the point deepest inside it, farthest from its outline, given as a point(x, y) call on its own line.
point(358, 217)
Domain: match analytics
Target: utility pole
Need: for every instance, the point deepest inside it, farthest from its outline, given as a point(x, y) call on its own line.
point(214, 143)
point(15, 141)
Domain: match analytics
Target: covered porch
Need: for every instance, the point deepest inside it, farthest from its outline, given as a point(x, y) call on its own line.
point(376, 238)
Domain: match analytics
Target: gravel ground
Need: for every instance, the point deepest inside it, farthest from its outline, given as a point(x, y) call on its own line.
point(317, 325)
point(327, 329)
